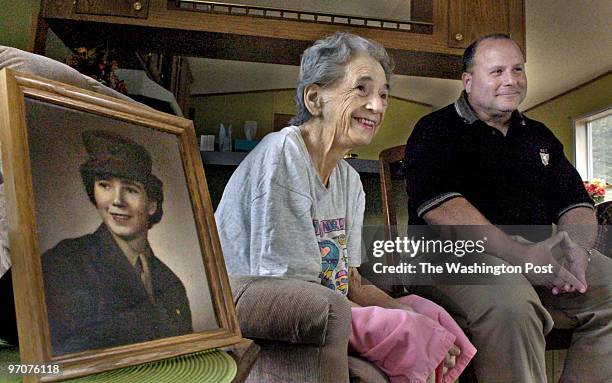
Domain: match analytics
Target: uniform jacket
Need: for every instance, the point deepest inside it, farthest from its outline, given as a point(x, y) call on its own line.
point(96, 300)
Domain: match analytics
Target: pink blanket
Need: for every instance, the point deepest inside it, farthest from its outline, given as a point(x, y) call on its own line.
point(409, 346)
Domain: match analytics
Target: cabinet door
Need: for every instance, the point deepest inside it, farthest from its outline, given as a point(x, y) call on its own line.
point(470, 19)
point(125, 8)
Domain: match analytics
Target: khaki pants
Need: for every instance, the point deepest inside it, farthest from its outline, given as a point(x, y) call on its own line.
point(507, 323)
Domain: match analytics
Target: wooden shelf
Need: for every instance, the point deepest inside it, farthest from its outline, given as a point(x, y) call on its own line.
point(223, 158)
point(364, 166)
point(234, 159)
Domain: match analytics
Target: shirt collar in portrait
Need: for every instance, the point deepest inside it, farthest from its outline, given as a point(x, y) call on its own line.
point(132, 255)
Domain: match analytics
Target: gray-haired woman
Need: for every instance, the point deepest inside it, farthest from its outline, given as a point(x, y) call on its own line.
point(294, 208)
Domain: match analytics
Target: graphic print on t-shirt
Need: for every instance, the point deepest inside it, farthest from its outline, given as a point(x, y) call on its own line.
point(332, 245)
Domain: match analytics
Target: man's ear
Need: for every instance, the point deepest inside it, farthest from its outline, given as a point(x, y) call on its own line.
point(466, 79)
point(312, 99)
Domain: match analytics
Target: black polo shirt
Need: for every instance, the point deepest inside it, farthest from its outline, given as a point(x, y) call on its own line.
point(522, 178)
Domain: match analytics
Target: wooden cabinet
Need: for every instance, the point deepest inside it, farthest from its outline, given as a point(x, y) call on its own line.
point(180, 81)
point(171, 72)
point(426, 46)
point(471, 19)
point(124, 8)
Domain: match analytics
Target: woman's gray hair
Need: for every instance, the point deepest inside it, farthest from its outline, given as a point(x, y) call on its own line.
point(324, 63)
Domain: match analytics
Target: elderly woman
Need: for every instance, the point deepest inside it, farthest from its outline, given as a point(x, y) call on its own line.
point(294, 208)
point(107, 288)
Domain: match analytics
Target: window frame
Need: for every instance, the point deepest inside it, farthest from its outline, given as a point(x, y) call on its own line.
point(583, 142)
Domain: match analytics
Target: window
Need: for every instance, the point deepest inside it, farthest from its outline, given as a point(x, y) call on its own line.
point(594, 145)
point(600, 156)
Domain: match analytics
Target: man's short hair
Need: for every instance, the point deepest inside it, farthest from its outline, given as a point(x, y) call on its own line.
point(470, 51)
point(324, 63)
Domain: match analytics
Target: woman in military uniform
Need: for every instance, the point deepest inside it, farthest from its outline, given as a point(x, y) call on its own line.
point(108, 288)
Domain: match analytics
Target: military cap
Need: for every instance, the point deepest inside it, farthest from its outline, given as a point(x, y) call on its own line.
point(117, 156)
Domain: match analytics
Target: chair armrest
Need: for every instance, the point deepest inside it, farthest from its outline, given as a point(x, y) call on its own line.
point(290, 310)
point(603, 243)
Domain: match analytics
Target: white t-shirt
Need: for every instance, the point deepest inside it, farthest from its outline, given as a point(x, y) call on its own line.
point(277, 219)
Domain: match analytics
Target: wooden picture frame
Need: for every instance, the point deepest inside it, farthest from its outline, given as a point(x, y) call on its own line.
point(41, 126)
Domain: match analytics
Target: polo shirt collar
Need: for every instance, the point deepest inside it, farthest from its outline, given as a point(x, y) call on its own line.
point(465, 111)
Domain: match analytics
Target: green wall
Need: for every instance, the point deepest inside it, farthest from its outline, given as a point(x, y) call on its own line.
point(239, 107)
point(16, 22)
point(558, 114)
point(400, 119)
point(260, 106)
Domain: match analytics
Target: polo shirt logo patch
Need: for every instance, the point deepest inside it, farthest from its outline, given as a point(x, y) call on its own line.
point(544, 156)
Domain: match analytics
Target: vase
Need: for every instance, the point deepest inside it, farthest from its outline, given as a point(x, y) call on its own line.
point(250, 129)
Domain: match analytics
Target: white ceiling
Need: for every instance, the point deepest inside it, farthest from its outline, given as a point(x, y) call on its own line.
point(568, 43)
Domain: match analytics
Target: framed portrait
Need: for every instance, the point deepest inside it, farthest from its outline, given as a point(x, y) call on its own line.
point(115, 252)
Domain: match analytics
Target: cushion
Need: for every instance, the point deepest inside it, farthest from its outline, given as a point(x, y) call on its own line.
point(53, 70)
point(361, 371)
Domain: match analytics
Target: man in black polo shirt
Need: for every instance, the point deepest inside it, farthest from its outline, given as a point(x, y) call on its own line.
point(479, 162)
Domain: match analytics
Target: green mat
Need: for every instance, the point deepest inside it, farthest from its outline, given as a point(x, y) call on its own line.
point(213, 366)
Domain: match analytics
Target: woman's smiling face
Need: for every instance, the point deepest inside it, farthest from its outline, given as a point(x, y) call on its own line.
point(355, 106)
point(124, 206)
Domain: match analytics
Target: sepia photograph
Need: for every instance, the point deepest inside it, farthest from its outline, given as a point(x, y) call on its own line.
point(109, 229)
point(383, 191)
